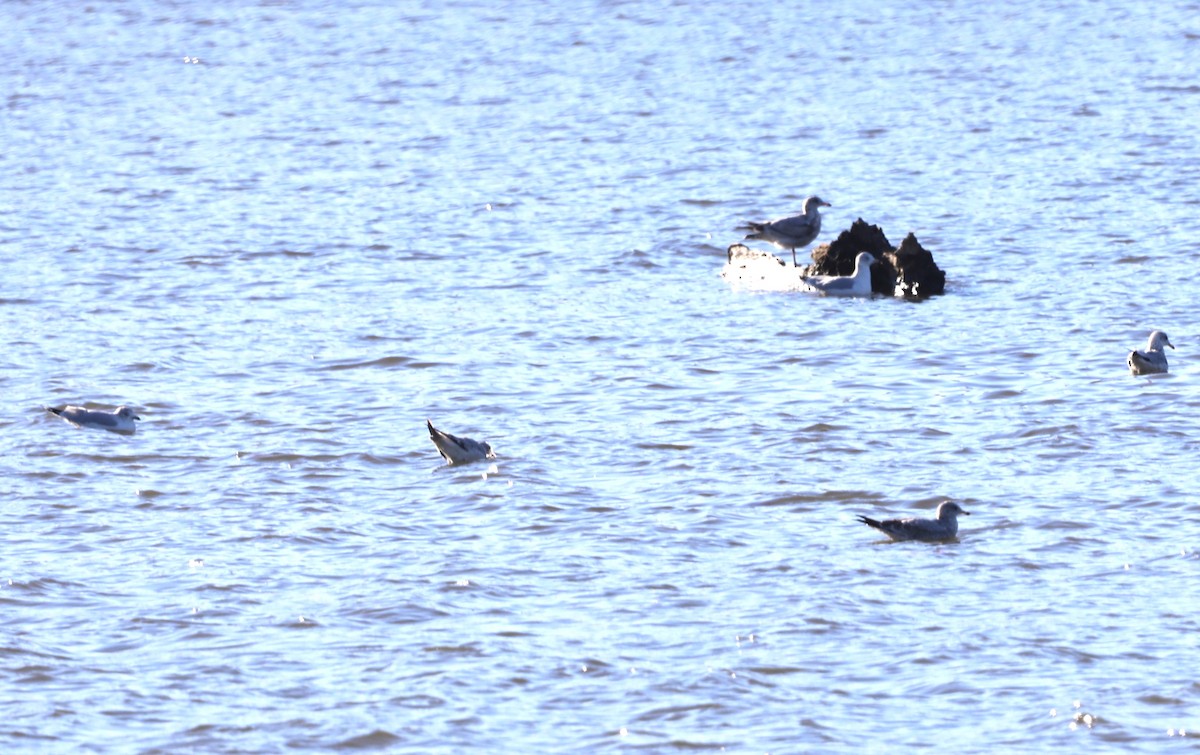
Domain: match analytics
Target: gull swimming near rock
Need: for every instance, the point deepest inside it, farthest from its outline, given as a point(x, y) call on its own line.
point(943, 527)
point(790, 232)
point(857, 283)
point(1153, 360)
point(120, 420)
point(457, 450)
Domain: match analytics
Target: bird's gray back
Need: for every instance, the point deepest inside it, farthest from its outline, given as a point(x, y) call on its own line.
point(83, 416)
point(798, 229)
point(924, 529)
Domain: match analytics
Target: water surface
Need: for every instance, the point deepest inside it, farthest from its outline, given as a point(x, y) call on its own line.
point(345, 219)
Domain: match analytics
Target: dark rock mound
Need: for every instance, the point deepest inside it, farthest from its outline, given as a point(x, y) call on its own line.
point(908, 270)
point(916, 272)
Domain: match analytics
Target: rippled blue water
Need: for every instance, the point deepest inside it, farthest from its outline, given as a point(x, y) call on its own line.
point(290, 233)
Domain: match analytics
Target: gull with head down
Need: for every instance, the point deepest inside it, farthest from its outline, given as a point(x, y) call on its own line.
point(456, 450)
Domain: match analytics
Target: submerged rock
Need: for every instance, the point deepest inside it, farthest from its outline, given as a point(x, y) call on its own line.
point(908, 270)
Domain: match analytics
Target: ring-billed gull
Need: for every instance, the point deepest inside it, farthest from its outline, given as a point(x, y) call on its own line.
point(120, 420)
point(856, 284)
point(1153, 359)
point(790, 232)
point(944, 527)
point(457, 450)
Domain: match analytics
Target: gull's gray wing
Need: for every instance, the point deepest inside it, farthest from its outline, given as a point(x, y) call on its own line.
point(912, 529)
point(96, 418)
point(1146, 362)
point(80, 416)
point(919, 529)
point(798, 227)
point(831, 283)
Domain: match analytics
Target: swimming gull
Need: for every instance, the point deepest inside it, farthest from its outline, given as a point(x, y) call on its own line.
point(120, 420)
point(458, 450)
point(856, 284)
point(1153, 359)
point(790, 232)
point(944, 527)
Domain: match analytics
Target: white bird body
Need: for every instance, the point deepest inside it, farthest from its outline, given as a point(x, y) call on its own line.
point(1153, 360)
point(119, 421)
point(456, 450)
point(943, 527)
point(857, 283)
point(793, 231)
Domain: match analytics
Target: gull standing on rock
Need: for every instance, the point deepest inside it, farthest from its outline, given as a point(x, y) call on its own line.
point(944, 527)
point(457, 450)
point(1153, 359)
point(856, 284)
point(790, 232)
point(118, 421)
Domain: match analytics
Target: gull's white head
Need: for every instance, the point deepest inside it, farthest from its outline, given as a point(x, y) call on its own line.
point(1158, 339)
point(813, 203)
point(127, 413)
point(864, 259)
point(949, 510)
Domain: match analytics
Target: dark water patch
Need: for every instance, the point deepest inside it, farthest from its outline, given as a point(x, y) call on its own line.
point(418, 702)
point(780, 670)
point(1189, 89)
point(272, 253)
point(468, 650)
point(375, 740)
point(823, 428)
point(405, 613)
point(391, 361)
point(832, 496)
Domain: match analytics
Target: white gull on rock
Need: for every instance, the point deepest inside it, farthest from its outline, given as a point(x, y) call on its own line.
point(456, 450)
point(944, 527)
point(856, 284)
point(790, 232)
point(1153, 359)
point(119, 420)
